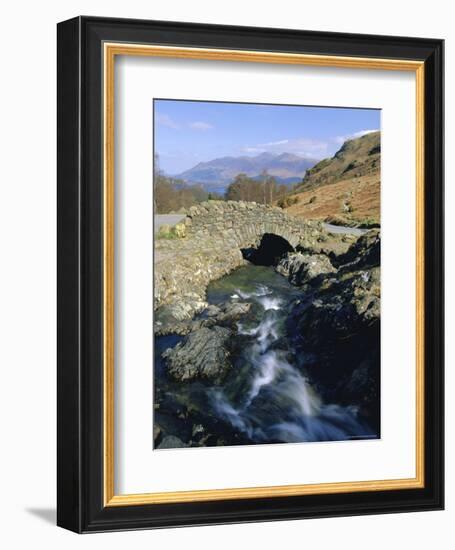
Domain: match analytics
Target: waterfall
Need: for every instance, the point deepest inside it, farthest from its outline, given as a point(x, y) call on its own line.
point(279, 403)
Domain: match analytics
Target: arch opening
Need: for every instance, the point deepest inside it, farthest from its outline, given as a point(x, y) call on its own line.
point(270, 251)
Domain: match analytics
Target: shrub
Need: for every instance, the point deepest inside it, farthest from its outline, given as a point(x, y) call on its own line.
point(167, 232)
point(285, 202)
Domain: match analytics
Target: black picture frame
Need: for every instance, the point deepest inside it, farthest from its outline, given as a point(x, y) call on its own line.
point(80, 474)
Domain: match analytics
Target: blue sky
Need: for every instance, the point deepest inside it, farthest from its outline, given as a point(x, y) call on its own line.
point(188, 132)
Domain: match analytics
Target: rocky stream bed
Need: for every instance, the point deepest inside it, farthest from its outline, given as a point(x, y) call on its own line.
point(284, 348)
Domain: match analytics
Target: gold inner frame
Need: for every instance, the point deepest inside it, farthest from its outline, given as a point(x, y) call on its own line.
point(110, 51)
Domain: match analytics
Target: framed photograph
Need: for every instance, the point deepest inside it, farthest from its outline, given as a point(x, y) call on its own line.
point(250, 274)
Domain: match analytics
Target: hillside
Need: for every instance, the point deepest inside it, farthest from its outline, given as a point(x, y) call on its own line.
point(216, 174)
point(344, 189)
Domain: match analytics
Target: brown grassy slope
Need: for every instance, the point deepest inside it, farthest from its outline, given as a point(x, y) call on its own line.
point(345, 188)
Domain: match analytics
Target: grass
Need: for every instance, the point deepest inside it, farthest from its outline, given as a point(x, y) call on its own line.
point(167, 236)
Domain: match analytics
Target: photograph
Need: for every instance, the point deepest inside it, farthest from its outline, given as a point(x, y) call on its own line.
point(250, 282)
point(267, 273)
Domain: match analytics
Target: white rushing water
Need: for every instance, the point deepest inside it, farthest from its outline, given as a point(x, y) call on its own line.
point(279, 403)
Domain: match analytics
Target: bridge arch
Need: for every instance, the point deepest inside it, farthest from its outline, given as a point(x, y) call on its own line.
point(270, 250)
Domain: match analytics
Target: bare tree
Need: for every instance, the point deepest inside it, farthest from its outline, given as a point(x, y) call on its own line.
point(264, 178)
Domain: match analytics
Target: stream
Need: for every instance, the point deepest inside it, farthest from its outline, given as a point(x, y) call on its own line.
point(267, 396)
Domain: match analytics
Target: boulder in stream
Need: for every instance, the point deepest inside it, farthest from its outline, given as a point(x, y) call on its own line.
point(301, 268)
point(203, 354)
point(231, 312)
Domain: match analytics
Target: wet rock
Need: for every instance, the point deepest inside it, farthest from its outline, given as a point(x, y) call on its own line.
point(325, 242)
point(349, 239)
point(177, 318)
point(185, 267)
point(338, 331)
point(365, 252)
point(171, 442)
point(231, 312)
point(301, 268)
point(225, 315)
point(197, 428)
point(212, 310)
point(181, 328)
point(362, 387)
point(181, 310)
point(156, 434)
point(202, 355)
point(347, 307)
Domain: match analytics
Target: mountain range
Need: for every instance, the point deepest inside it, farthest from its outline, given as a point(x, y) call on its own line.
point(215, 175)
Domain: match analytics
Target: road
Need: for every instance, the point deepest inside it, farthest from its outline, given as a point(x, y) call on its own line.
point(170, 219)
point(344, 229)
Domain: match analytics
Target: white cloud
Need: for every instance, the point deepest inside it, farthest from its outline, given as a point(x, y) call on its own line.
point(341, 139)
point(166, 120)
point(199, 125)
point(272, 143)
point(300, 146)
point(252, 150)
point(364, 132)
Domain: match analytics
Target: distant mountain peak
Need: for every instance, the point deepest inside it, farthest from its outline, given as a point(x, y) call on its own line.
point(217, 173)
point(289, 156)
point(265, 155)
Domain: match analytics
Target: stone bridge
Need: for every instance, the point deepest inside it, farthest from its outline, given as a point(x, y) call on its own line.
point(244, 223)
point(208, 244)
